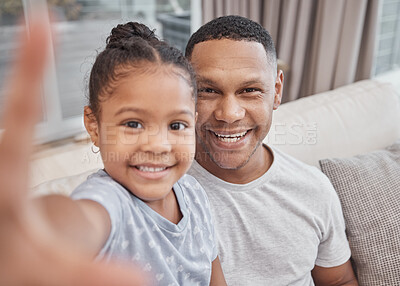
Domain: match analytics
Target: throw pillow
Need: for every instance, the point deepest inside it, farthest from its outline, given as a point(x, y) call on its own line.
point(369, 189)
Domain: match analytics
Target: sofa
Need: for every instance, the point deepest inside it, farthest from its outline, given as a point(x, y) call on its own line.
point(351, 133)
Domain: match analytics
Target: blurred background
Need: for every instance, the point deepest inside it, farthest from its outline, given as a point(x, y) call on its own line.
point(321, 44)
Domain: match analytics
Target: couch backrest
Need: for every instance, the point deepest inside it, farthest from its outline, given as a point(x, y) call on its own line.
point(354, 119)
point(344, 122)
point(63, 161)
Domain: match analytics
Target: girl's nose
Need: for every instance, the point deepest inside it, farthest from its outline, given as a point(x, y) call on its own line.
point(155, 141)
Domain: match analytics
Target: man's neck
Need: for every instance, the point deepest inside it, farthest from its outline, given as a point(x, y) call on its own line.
point(258, 165)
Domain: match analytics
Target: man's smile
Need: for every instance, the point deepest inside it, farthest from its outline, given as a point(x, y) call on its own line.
point(230, 137)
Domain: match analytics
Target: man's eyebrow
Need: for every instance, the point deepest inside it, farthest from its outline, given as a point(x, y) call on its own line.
point(205, 80)
point(252, 81)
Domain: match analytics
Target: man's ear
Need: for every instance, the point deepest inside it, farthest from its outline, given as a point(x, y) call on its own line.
point(91, 125)
point(278, 89)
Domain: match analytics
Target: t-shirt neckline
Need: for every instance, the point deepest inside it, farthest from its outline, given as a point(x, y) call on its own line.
point(267, 176)
point(156, 217)
point(162, 221)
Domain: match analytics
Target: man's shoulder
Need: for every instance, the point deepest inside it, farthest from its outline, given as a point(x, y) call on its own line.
point(292, 164)
point(299, 173)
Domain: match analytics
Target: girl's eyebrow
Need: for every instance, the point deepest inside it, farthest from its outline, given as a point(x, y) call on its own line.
point(144, 111)
point(130, 109)
point(184, 112)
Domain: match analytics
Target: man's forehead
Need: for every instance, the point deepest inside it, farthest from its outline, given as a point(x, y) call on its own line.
point(229, 56)
point(226, 52)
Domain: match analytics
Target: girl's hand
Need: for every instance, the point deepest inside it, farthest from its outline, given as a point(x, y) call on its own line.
point(27, 255)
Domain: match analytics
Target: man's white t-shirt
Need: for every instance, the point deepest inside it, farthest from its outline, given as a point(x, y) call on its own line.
point(275, 229)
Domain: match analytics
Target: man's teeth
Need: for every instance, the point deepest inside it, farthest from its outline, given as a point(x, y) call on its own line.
point(150, 169)
point(230, 138)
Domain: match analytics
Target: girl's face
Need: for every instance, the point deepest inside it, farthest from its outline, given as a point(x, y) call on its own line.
point(146, 132)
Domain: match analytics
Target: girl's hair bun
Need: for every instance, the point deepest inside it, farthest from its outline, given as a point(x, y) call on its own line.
point(129, 47)
point(130, 31)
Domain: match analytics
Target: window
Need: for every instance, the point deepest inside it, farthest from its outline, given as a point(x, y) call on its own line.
point(388, 40)
point(82, 27)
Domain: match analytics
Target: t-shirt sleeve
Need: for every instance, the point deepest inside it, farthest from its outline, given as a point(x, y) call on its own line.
point(210, 219)
point(213, 233)
point(104, 191)
point(334, 248)
point(201, 199)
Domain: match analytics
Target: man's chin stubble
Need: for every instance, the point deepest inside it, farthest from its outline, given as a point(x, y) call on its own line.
point(208, 154)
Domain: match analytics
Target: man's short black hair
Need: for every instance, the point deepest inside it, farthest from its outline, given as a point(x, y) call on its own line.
point(234, 28)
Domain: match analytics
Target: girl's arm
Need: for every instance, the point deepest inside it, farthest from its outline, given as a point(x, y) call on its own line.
point(217, 276)
point(84, 225)
point(31, 251)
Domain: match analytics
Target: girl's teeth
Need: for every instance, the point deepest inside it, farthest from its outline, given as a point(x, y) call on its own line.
point(150, 169)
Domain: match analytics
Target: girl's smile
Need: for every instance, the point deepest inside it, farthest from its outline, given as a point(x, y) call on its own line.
point(152, 172)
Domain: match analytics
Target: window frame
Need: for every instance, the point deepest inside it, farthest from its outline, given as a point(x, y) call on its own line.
point(54, 126)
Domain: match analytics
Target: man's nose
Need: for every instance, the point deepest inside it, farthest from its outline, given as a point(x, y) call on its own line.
point(229, 109)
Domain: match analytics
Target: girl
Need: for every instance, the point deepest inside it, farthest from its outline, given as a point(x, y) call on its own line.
point(141, 207)
point(141, 116)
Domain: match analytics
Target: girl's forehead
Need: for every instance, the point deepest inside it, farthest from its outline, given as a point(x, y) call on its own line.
point(158, 84)
point(138, 73)
point(149, 68)
point(159, 77)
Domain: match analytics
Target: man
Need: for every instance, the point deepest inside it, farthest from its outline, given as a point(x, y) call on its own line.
point(279, 221)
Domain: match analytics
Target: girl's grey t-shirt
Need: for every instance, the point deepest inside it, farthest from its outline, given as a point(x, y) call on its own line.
point(175, 254)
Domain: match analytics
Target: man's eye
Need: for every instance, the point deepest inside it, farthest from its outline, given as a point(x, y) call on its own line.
point(206, 90)
point(133, 124)
point(250, 89)
point(177, 126)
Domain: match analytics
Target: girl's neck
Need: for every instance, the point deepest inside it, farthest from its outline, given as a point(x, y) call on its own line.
point(167, 207)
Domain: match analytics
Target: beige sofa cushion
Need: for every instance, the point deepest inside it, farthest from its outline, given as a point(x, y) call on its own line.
point(368, 187)
point(63, 161)
point(61, 186)
point(350, 120)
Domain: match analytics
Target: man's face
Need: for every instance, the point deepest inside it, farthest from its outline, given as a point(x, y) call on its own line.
point(237, 93)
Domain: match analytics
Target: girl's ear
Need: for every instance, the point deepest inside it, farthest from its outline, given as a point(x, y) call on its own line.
point(91, 125)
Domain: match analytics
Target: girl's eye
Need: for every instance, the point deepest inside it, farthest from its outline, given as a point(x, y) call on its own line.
point(133, 124)
point(177, 126)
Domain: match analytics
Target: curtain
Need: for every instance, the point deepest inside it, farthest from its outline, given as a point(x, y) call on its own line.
point(325, 44)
